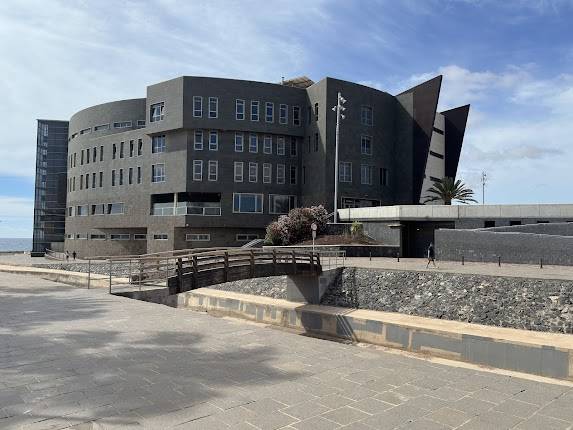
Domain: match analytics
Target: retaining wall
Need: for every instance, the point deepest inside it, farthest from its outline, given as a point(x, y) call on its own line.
point(546, 354)
point(487, 246)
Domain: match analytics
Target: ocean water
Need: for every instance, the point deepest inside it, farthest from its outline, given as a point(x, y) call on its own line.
point(15, 244)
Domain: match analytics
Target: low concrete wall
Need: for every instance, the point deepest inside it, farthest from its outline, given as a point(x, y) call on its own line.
point(487, 246)
point(554, 228)
point(546, 354)
point(65, 277)
point(160, 296)
point(351, 250)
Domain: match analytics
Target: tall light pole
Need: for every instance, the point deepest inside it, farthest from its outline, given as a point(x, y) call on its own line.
point(339, 108)
point(483, 182)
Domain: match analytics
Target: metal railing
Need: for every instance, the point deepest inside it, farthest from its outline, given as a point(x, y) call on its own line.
point(155, 271)
point(54, 255)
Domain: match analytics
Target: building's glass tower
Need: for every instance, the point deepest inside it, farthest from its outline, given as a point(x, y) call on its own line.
point(51, 184)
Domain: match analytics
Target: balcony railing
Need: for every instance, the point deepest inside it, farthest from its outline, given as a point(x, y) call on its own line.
point(187, 210)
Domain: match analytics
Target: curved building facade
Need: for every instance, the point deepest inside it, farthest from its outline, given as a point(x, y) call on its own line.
point(203, 162)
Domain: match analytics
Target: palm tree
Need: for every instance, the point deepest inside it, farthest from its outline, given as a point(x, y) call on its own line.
point(447, 190)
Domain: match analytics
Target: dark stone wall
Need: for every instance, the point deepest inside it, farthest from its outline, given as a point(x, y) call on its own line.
point(487, 246)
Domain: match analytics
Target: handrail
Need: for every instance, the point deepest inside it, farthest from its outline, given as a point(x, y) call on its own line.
point(54, 255)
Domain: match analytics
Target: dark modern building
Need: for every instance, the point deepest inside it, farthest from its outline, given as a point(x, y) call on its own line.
point(50, 190)
point(207, 162)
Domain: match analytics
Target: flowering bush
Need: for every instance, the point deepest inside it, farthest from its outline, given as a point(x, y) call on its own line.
point(296, 226)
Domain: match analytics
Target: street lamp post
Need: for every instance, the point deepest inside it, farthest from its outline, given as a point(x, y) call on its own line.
point(339, 108)
point(483, 182)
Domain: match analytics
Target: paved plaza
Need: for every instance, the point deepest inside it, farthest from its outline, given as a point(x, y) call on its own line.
point(82, 359)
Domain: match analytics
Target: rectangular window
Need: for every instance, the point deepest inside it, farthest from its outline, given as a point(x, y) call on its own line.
point(81, 235)
point(93, 180)
point(115, 208)
point(98, 209)
point(81, 182)
point(281, 204)
point(75, 159)
point(316, 142)
point(283, 114)
point(213, 107)
point(122, 124)
point(156, 112)
point(213, 141)
point(213, 170)
point(158, 173)
point(88, 156)
point(280, 173)
point(254, 110)
point(131, 148)
point(238, 169)
point(293, 175)
point(383, 176)
point(130, 176)
point(366, 115)
point(160, 236)
point(239, 144)
point(119, 236)
point(139, 236)
point(345, 171)
point(198, 140)
point(82, 210)
point(365, 174)
point(141, 123)
point(197, 170)
point(253, 172)
point(120, 176)
point(239, 109)
point(244, 237)
point(435, 154)
point(139, 147)
point(316, 111)
point(82, 158)
point(293, 147)
point(267, 173)
point(74, 183)
point(100, 179)
point(365, 145)
point(101, 127)
point(87, 180)
point(197, 106)
point(269, 112)
point(268, 145)
point(253, 143)
point(114, 152)
point(281, 145)
point(247, 203)
point(157, 144)
point(94, 154)
point(121, 148)
point(71, 211)
point(139, 175)
point(296, 115)
point(197, 237)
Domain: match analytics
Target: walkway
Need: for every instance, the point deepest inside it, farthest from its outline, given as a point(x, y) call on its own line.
point(419, 264)
point(71, 356)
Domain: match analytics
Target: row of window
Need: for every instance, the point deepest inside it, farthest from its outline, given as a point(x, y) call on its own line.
point(189, 237)
point(104, 127)
point(95, 180)
point(97, 209)
point(366, 173)
point(94, 154)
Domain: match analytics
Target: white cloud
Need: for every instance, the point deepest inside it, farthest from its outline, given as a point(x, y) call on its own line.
point(59, 57)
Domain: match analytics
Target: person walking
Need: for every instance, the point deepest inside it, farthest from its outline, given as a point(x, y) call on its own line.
point(431, 255)
point(67, 256)
point(74, 255)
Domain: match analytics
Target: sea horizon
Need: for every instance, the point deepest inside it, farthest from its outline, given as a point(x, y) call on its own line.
point(8, 244)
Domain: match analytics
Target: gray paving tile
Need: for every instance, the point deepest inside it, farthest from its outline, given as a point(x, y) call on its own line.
point(371, 405)
point(491, 420)
point(449, 417)
point(334, 401)
point(394, 417)
point(449, 393)
point(516, 408)
point(537, 422)
point(489, 395)
point(391, 397)
point(561, 409)
point(425, 424)
point(271, 420)
point(264, 406)
point(472, 406)
point(345, 415)
point(315, 423)
point(306, 410)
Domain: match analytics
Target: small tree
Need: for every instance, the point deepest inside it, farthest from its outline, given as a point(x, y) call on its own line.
point(447, 190)
point(295, 227)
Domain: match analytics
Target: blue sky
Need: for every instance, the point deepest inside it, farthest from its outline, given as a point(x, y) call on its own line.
point(511, 59)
